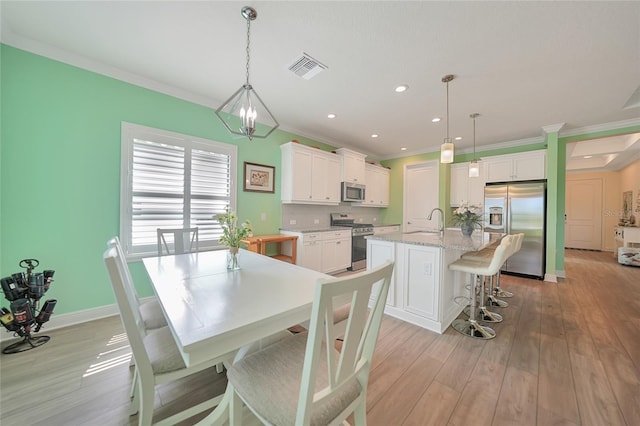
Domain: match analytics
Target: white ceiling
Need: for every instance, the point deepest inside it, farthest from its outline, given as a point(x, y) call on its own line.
point(521, 65)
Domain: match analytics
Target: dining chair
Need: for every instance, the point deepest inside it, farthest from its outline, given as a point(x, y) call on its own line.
point(177, 240)
point(304, 380)
point(149, 308)
point(156, 354)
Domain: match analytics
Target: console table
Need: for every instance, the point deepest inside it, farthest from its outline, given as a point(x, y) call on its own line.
point(258, 244)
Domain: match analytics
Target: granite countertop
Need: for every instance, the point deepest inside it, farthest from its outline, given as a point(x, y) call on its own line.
point(452, 239)
point(317, 228)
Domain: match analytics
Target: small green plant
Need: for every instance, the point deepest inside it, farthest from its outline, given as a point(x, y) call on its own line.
point(467, 215)
point(231, 232)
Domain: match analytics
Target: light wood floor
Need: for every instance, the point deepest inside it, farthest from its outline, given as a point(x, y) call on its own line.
point(566, 354)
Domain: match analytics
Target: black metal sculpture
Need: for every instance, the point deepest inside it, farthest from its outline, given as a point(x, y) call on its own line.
point(24, 290)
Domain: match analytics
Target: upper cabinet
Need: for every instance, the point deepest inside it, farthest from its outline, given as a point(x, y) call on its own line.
point(500, 168)
point(353, 166)
point(465, 188)
point(522, 166)
point(377, 187)
point(309, 175)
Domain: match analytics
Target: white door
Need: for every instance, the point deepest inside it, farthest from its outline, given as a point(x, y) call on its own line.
point(420, 196)
point(583, 226)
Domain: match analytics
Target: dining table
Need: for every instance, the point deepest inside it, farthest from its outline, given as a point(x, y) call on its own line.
point(213, 311)
point(217, 313)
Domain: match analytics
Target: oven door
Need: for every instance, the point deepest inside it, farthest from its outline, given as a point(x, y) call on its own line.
point(358, 252)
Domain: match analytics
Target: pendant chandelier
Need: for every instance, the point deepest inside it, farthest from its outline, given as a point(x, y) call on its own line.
point(447, 148)
point(474, 167)
point(244, 113)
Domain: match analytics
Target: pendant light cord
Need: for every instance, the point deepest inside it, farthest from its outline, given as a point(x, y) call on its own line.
point(447, 111)
point(474, 137)
point(248, 41)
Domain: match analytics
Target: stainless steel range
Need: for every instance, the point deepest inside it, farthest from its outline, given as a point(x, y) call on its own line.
point(358, 241)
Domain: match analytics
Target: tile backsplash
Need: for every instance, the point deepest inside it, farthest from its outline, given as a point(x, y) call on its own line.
point(301, 216)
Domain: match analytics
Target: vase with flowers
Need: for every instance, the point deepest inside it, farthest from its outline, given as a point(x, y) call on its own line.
point(232, 234)
point(468, 217)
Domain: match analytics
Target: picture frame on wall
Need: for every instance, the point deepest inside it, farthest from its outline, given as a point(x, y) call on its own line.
point(259, 177)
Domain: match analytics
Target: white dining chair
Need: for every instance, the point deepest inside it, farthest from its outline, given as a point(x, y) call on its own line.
point(149, 308)
point(156, 354)
point(177, 240)
point(302, 380)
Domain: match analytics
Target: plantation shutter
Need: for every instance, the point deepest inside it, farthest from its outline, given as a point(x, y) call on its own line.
point(173, 181)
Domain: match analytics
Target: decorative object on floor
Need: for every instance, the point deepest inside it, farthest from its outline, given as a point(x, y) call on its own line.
point(474, 167)
point(24, 291)
point(259, 177)
point(232, 234)
point(468, 217)
point(447, 148)
point(244, 113)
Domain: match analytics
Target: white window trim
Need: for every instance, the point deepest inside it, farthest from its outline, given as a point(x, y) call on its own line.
point(129, 132)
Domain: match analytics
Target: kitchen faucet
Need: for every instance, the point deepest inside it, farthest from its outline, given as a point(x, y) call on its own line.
point(441, 222)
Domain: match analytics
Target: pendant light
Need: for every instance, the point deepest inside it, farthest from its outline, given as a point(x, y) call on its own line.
point(244, 113)
point(447, 148)
point(474, 167)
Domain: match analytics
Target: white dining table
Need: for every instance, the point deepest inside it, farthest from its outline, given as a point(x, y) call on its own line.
point(213, 311)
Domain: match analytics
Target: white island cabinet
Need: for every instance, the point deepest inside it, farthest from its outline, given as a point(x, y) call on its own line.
point(423, 290)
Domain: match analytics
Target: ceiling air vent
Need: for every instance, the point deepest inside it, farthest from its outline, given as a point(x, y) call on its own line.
point(306, 67)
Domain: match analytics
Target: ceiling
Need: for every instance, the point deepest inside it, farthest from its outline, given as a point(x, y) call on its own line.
point(520, 65)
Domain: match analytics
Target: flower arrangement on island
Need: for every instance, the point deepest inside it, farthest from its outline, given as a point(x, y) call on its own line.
point(232, 234)
point(467, 217)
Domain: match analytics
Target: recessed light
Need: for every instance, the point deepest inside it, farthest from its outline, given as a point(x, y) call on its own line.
point(331, 115)
point(435, 120)
point(403, 149)
point(374, 135)
point(458, 138)
point(588, 156)
point(401, 88)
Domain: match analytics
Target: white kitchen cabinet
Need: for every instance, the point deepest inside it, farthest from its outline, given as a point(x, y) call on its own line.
point(521, 166)
point(323, 251)
point(309, 175)
point(378, 252)
point(424, 289)
point(353, 166)
point(421, 280)
point(309, 251)
point(465, 188)
point(336, 251)
point(388, 229)
point(377, 187)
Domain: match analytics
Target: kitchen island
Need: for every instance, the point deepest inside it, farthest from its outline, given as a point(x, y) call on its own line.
point(423, 290)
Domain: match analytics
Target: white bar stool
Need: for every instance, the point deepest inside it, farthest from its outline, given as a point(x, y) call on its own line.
point(486, 268)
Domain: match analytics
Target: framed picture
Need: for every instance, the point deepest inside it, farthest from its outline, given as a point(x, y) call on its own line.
point(259, 177)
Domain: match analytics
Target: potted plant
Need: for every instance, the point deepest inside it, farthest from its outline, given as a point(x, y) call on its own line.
point(467, 217)
point(232, 234)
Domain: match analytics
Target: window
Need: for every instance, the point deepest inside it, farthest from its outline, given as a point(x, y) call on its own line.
point(169, 180)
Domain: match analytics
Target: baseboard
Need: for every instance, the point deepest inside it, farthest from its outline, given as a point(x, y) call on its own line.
point(561, 274)
point(551, 278)
point(65, 320)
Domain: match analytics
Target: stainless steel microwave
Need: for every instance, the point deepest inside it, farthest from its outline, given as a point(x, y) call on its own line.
point(352, 191)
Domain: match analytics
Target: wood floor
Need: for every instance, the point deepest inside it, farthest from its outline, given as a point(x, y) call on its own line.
point(566, 354)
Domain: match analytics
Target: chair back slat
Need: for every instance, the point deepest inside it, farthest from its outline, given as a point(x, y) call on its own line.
point(354, 359)
point(129, 313)
point(182, 240)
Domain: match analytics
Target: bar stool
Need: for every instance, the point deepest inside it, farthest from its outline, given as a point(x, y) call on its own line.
point(517, 244)
point(486, 268)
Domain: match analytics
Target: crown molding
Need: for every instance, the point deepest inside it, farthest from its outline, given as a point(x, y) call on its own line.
point(553, 128)
point(12, 39)
point(596, 128)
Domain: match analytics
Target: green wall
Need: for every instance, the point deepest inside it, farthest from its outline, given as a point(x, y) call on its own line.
point(60, 169)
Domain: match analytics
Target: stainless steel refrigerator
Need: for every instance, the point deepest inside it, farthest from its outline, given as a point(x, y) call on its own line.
point(516, 207)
